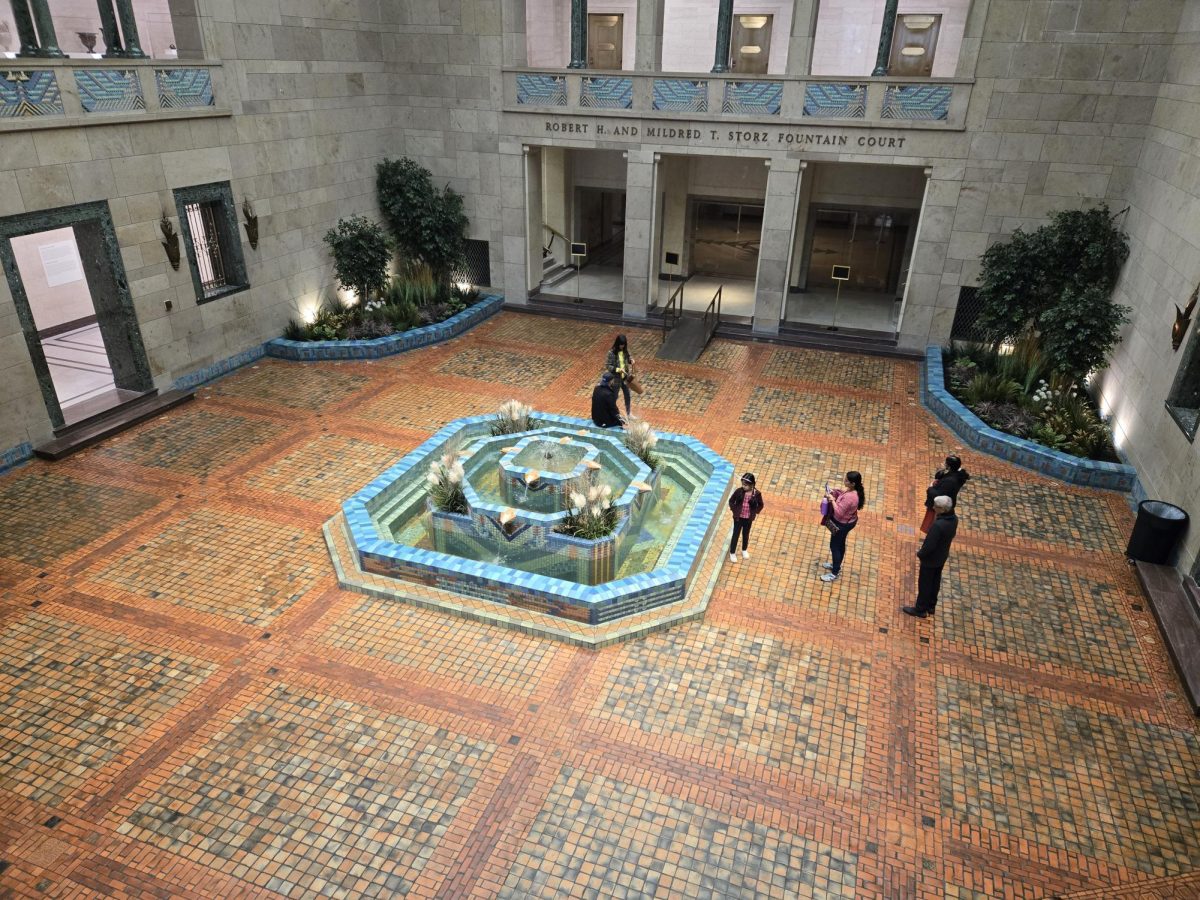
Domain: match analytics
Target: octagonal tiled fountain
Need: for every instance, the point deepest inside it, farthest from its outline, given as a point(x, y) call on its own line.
point(504, 553)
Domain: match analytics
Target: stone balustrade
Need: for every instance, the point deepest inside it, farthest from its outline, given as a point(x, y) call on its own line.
point(931, 103)
point(56, 92)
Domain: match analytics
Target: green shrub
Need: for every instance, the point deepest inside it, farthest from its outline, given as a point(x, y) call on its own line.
point(295, 331)
point(428, 224)
point(361, 255)
point(990, 387)
point(513, 417)
point(591, 512)
point(445, 483)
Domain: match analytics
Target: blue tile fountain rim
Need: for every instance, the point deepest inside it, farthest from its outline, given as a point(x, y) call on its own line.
point(377, 348)
point(1043, 460)
point(678, 567)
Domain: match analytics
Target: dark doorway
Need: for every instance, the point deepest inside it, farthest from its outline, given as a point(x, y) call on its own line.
point(725, 238)
point(74, 349)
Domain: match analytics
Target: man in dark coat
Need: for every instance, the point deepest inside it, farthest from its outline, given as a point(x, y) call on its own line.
point(604, 404)
point(933, 555)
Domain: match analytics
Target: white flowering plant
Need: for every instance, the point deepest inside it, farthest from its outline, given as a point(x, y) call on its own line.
point(445, 483)
point(591, 512)
point(512, 417)
point(641, 439)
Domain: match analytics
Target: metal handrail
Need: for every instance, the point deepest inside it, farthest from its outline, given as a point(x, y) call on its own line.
point(673, 311)
point(554, 233)
point(714, 309)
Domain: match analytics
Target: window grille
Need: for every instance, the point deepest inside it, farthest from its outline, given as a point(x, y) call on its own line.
point(476, 268)
point(965, 316)
point(1183, 403)
point(207, 244)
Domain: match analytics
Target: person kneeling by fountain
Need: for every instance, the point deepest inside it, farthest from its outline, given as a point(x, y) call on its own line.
point(604, 403)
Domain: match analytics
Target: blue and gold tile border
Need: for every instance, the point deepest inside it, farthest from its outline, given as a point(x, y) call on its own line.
point(184, 88)
point(537, 89)
point(377, 348)
point(109, 90)
point(218, 369)
point(25, 93)
point(14, 456)
point(1043, 460)
point(680, 95)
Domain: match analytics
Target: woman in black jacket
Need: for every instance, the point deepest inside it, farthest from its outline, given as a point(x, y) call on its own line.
point(946, 482)
point(745, 503)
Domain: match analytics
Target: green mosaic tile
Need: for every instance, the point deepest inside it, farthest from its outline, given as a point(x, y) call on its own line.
point(801, 473)
point(191, 441)
point(522, 370)
point(217, 562)
point(47, 515)
point(845, 370)
point(850, 417)
point(460, 649)
point(1038, 612)
point(1116, 789)
point(338, 798)
point(1040, 511)
point(790, 705)
point(291, 386)
point(597, 836)
point(74, 698)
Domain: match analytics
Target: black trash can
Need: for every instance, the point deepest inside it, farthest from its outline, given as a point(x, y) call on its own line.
point(1158, 528)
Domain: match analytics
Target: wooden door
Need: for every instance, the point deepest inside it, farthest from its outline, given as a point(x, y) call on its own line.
point(750, 49)
point(604, 40)
point(913, 44)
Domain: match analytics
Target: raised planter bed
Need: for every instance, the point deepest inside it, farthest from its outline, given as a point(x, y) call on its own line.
point(981, 436)
point(376, 348)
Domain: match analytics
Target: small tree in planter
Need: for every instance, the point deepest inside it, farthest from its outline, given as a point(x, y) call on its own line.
point(428, 224)
point(360, 256)
point(1056, 283)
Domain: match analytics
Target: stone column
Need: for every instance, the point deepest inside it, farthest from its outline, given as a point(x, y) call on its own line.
point(36, 13)
point(774, 252)
point(885, 38)
point(804, 31)
point(533, 219)
point(25, 30)
point(647, 50)
point(925, 266)
point(641, 185)
point(515, 256)
point(578, 35)
point(724, 30)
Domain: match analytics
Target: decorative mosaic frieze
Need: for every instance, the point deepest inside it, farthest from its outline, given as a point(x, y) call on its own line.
point(606, 92)
point(184, 88)
point(829, 100)
point(109, 90)
point(680, 95)
point(25, 93)
point(754, 97)
point(917, 101)
point(536, 89)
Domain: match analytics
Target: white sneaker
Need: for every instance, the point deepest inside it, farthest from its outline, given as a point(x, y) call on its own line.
point(733, 557)
point(826, 565)
point(829, 576)
point(745, 554)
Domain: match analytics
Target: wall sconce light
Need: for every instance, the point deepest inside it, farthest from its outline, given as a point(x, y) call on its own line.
point(251, 223)
point(170, 241)
point(1183, 318)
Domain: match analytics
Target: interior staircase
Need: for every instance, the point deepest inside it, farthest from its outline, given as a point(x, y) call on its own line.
point(554, 272)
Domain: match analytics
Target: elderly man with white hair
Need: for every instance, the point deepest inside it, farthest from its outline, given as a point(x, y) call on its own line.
point(933, 555)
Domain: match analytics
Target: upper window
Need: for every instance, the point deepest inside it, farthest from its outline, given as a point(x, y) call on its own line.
point(109, 29)
point(758, 39)
point(1184, 400)
point(209, 227)
point(925, 41)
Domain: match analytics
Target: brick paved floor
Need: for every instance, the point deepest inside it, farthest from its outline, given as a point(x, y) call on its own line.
point(192, 707)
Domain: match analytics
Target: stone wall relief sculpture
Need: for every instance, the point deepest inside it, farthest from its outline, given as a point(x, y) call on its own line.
point(250, 223)
point(170, 241)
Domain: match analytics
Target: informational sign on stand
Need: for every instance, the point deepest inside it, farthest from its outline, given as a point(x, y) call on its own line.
point(61, 263)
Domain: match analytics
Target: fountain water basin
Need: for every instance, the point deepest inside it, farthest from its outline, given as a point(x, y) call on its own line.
point(505, 549)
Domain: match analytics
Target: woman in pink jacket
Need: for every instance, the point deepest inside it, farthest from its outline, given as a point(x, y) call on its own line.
point(843, 516)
